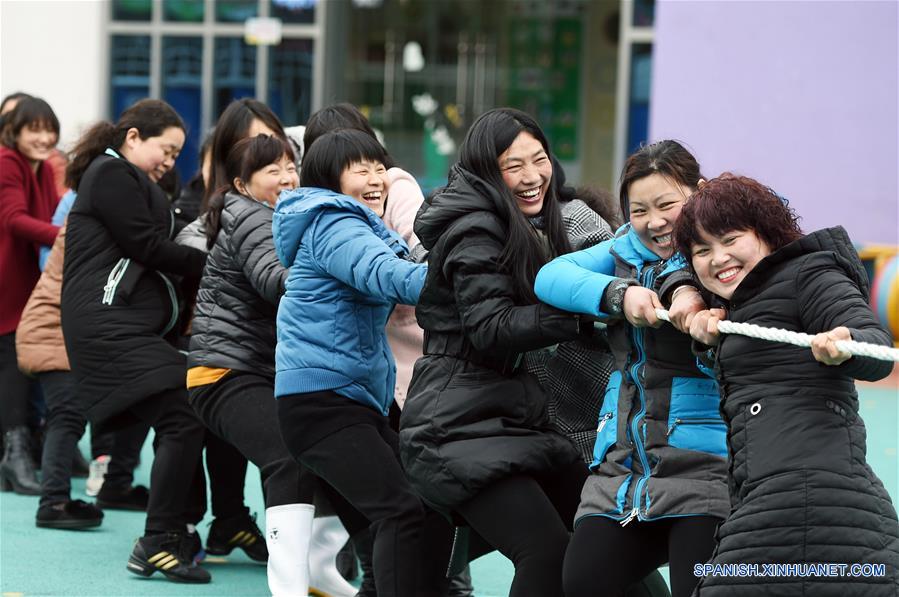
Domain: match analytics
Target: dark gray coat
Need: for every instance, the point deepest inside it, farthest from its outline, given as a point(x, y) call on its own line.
point(801, 489)
point(234, 322)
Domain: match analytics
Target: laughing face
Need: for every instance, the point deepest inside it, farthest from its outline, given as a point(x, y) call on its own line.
point(367, 183)
point(36, 142)
point(723, 261)
point(527, 171)
point(655, 202)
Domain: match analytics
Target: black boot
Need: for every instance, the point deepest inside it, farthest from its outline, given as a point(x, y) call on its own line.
point(460, 584)
point(17, 470)
point(364, 542)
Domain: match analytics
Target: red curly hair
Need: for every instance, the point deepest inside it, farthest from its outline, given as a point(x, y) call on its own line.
point(730, 202)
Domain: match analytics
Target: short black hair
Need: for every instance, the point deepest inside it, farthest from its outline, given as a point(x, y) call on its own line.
point(29, 111)
point(333, 152)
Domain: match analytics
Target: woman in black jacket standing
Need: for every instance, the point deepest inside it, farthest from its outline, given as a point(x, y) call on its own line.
point(120, 308)
point(231, 375)
point(801, 490)
point(475, 435)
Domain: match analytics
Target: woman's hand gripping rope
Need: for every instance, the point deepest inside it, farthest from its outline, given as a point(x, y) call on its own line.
point(830, 348)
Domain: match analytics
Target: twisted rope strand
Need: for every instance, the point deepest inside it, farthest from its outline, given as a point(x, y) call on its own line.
point(863, 349)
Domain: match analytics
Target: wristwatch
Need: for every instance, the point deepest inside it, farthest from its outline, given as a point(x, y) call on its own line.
point(613, 298)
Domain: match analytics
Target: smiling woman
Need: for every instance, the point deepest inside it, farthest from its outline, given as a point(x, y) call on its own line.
point(27, 200)
point(658, 484)
point(120, 309)
point(475, 434)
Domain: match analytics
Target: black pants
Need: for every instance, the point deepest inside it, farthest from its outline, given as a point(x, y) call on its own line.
point(605, 555)
point(124, 445)
point(241, 409)
point(361, 462)
point(179, 441)
point(528, 519)
point(65, 426)
point(15, 387)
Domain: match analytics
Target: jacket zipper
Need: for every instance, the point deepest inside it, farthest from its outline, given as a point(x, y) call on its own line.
point(677, 422)
point(112, 281)
point(603, 421)
point(647, 281)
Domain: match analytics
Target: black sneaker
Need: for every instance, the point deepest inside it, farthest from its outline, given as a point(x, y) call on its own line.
point(239, 531)
point(123, 498)
point(164, 553)
point(71, 514)
point(193, 547)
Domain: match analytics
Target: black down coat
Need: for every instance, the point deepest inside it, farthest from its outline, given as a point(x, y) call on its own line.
point(801, 489)
point(119, 291)
point(234, 321)
point(473, 415)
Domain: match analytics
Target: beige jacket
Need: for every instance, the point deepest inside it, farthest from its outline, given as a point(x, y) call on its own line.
point(39, 343)
point(405, 337)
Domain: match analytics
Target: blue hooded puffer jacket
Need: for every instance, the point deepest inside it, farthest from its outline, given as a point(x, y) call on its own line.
point(346, 274)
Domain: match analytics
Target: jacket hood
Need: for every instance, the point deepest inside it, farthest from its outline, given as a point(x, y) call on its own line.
point(834, 240)
point(296, 210)
point(465, 193)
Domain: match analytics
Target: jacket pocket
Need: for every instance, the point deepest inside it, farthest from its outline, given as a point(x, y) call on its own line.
point(787, 434)
point(607, 427)
point(694, 422)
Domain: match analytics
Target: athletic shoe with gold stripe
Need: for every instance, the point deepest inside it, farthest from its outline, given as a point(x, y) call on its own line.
point(163, 553)
point(238, 531)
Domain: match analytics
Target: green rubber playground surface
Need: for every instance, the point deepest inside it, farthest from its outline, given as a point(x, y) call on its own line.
point(91, 563)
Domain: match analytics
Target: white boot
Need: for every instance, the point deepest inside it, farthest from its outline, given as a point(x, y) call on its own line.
point(287, 532)
point(328, 537)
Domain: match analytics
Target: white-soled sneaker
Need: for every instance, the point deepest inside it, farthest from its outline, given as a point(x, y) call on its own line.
point(97, 473)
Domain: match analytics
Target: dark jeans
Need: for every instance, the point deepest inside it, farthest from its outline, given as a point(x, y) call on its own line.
point(15, 387)
point(528, 519)
point(241, 409)
point(179, 441)
point(602, 551)
point(361, 463)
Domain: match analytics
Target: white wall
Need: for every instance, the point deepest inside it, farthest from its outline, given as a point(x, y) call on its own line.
point(800, 95)
point(55, 49)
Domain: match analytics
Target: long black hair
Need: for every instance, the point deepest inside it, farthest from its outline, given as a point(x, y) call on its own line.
point(337, 116)
point(232, 126)
point(331, 153)
point(246, 157)
point(490, 135)
point(151, 117)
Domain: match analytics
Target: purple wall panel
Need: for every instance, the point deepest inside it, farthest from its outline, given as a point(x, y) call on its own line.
point(800, 95)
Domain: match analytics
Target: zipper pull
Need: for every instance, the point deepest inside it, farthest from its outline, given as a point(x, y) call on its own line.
point(634, 513)
point(603, 422)
point(672, 427)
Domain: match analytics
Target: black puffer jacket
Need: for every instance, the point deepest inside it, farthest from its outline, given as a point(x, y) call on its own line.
point(801, 489)
point(119, 291)
point(234, 322)
point(473, 415)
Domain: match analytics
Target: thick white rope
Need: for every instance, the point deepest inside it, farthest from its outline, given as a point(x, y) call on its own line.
point(863, 349)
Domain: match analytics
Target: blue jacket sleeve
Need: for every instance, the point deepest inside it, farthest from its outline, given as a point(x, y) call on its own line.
point(345, 246)
point(59, 217)
point(575, 282)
